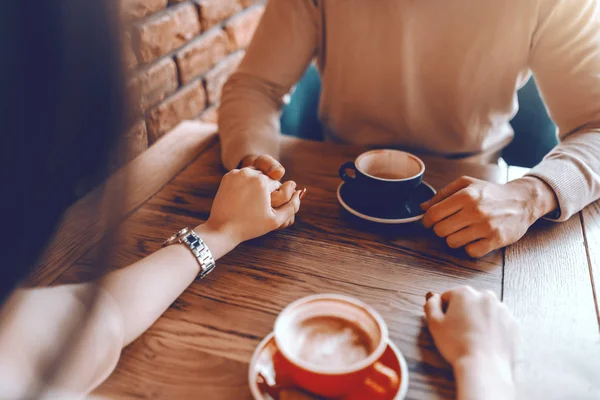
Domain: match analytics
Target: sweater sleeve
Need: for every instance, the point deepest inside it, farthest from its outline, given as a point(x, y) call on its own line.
point(565, 59)
point(284, 44)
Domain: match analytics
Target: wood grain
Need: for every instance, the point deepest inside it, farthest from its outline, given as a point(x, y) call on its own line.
point(82, 225)
point(547, 286)
point(591, 229)
point(224, 316)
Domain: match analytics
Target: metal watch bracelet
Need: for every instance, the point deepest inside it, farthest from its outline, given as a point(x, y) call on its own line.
point(198, 248)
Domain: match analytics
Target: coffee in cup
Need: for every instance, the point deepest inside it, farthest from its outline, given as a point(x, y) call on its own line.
point(386, 176)
point(330, 345)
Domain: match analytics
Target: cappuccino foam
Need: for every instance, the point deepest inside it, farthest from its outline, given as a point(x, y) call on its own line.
point(330, 341)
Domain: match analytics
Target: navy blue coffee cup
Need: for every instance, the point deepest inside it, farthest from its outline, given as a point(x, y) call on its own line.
point(384, 177)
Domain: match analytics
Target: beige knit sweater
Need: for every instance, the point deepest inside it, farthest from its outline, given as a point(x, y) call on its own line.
point(431, 76)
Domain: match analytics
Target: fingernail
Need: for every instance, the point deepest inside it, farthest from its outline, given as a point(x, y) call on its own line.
point(274, 167)
point(429, 295)
point(302, 193)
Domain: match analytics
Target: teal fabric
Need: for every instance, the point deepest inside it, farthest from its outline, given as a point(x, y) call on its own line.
point(300, 116)
point(535, 133)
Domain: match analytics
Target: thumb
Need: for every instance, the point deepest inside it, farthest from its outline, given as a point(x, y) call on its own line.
point(434, 311)
point(287, 211)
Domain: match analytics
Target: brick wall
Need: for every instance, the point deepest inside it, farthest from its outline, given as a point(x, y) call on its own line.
point(179, 54)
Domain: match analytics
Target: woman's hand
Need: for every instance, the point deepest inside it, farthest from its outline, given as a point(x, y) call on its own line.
point(476, 334)
point(242, 207)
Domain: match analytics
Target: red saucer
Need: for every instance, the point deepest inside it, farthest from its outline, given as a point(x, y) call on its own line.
point(263, 369)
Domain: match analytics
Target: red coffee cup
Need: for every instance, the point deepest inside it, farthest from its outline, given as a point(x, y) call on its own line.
point(335, 378)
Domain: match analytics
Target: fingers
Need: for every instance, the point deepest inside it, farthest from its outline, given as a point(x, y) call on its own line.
point(481, 247)
point(452, 224)
point(434, 310)
point(269, 166)
point(265, 164)
point(448, 191)
point(283, 194)
point(465, 236)
point(458, 293)
point(288, 210)
point(443, 209)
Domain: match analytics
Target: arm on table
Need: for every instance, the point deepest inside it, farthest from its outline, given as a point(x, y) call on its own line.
point(131, 299)
point(565, 60)
point(284, 44)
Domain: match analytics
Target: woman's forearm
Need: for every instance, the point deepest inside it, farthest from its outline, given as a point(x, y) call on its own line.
point(482, 377)
point(144, 290)
point(129, 301)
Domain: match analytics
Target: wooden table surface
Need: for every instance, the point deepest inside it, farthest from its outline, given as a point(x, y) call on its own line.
point(200, 348)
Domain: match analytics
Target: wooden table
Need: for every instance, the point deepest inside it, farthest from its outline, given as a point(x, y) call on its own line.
point(201, 347)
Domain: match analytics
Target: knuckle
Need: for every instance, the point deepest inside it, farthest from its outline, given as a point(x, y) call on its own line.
point(478, 211)
point(464, 289)
point(471, 194)
point(246, 171)
point(490, 295)
point(262, 182)
point(464, 292)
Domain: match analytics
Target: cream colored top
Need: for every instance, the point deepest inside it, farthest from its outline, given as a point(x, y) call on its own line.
point(431, 76)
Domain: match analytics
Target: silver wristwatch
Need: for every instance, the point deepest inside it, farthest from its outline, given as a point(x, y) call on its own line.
point(198, 248)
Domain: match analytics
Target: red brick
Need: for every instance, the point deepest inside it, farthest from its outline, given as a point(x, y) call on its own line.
point(134, 9)
point(216, 78)
point(213, 12)
point(152, 84)
point(167, 31)
point(187, 103)
point(241, 27)
point(129, 54)
point(202, 54)
point(210, 115)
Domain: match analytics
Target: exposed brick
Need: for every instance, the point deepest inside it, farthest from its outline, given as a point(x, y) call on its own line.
point(129, 54)
point(241, 27)
point(216, 78)
point(134, 9)
point(212, 12)
point(210, 115)
point(202, 54)
point(166, 31)
point(187, 103)
point(152, 84)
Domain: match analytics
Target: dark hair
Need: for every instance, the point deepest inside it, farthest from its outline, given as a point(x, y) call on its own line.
point(61, 113)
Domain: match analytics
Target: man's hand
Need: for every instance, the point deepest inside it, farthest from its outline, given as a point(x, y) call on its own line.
point(483, 216)
point(265, 164)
